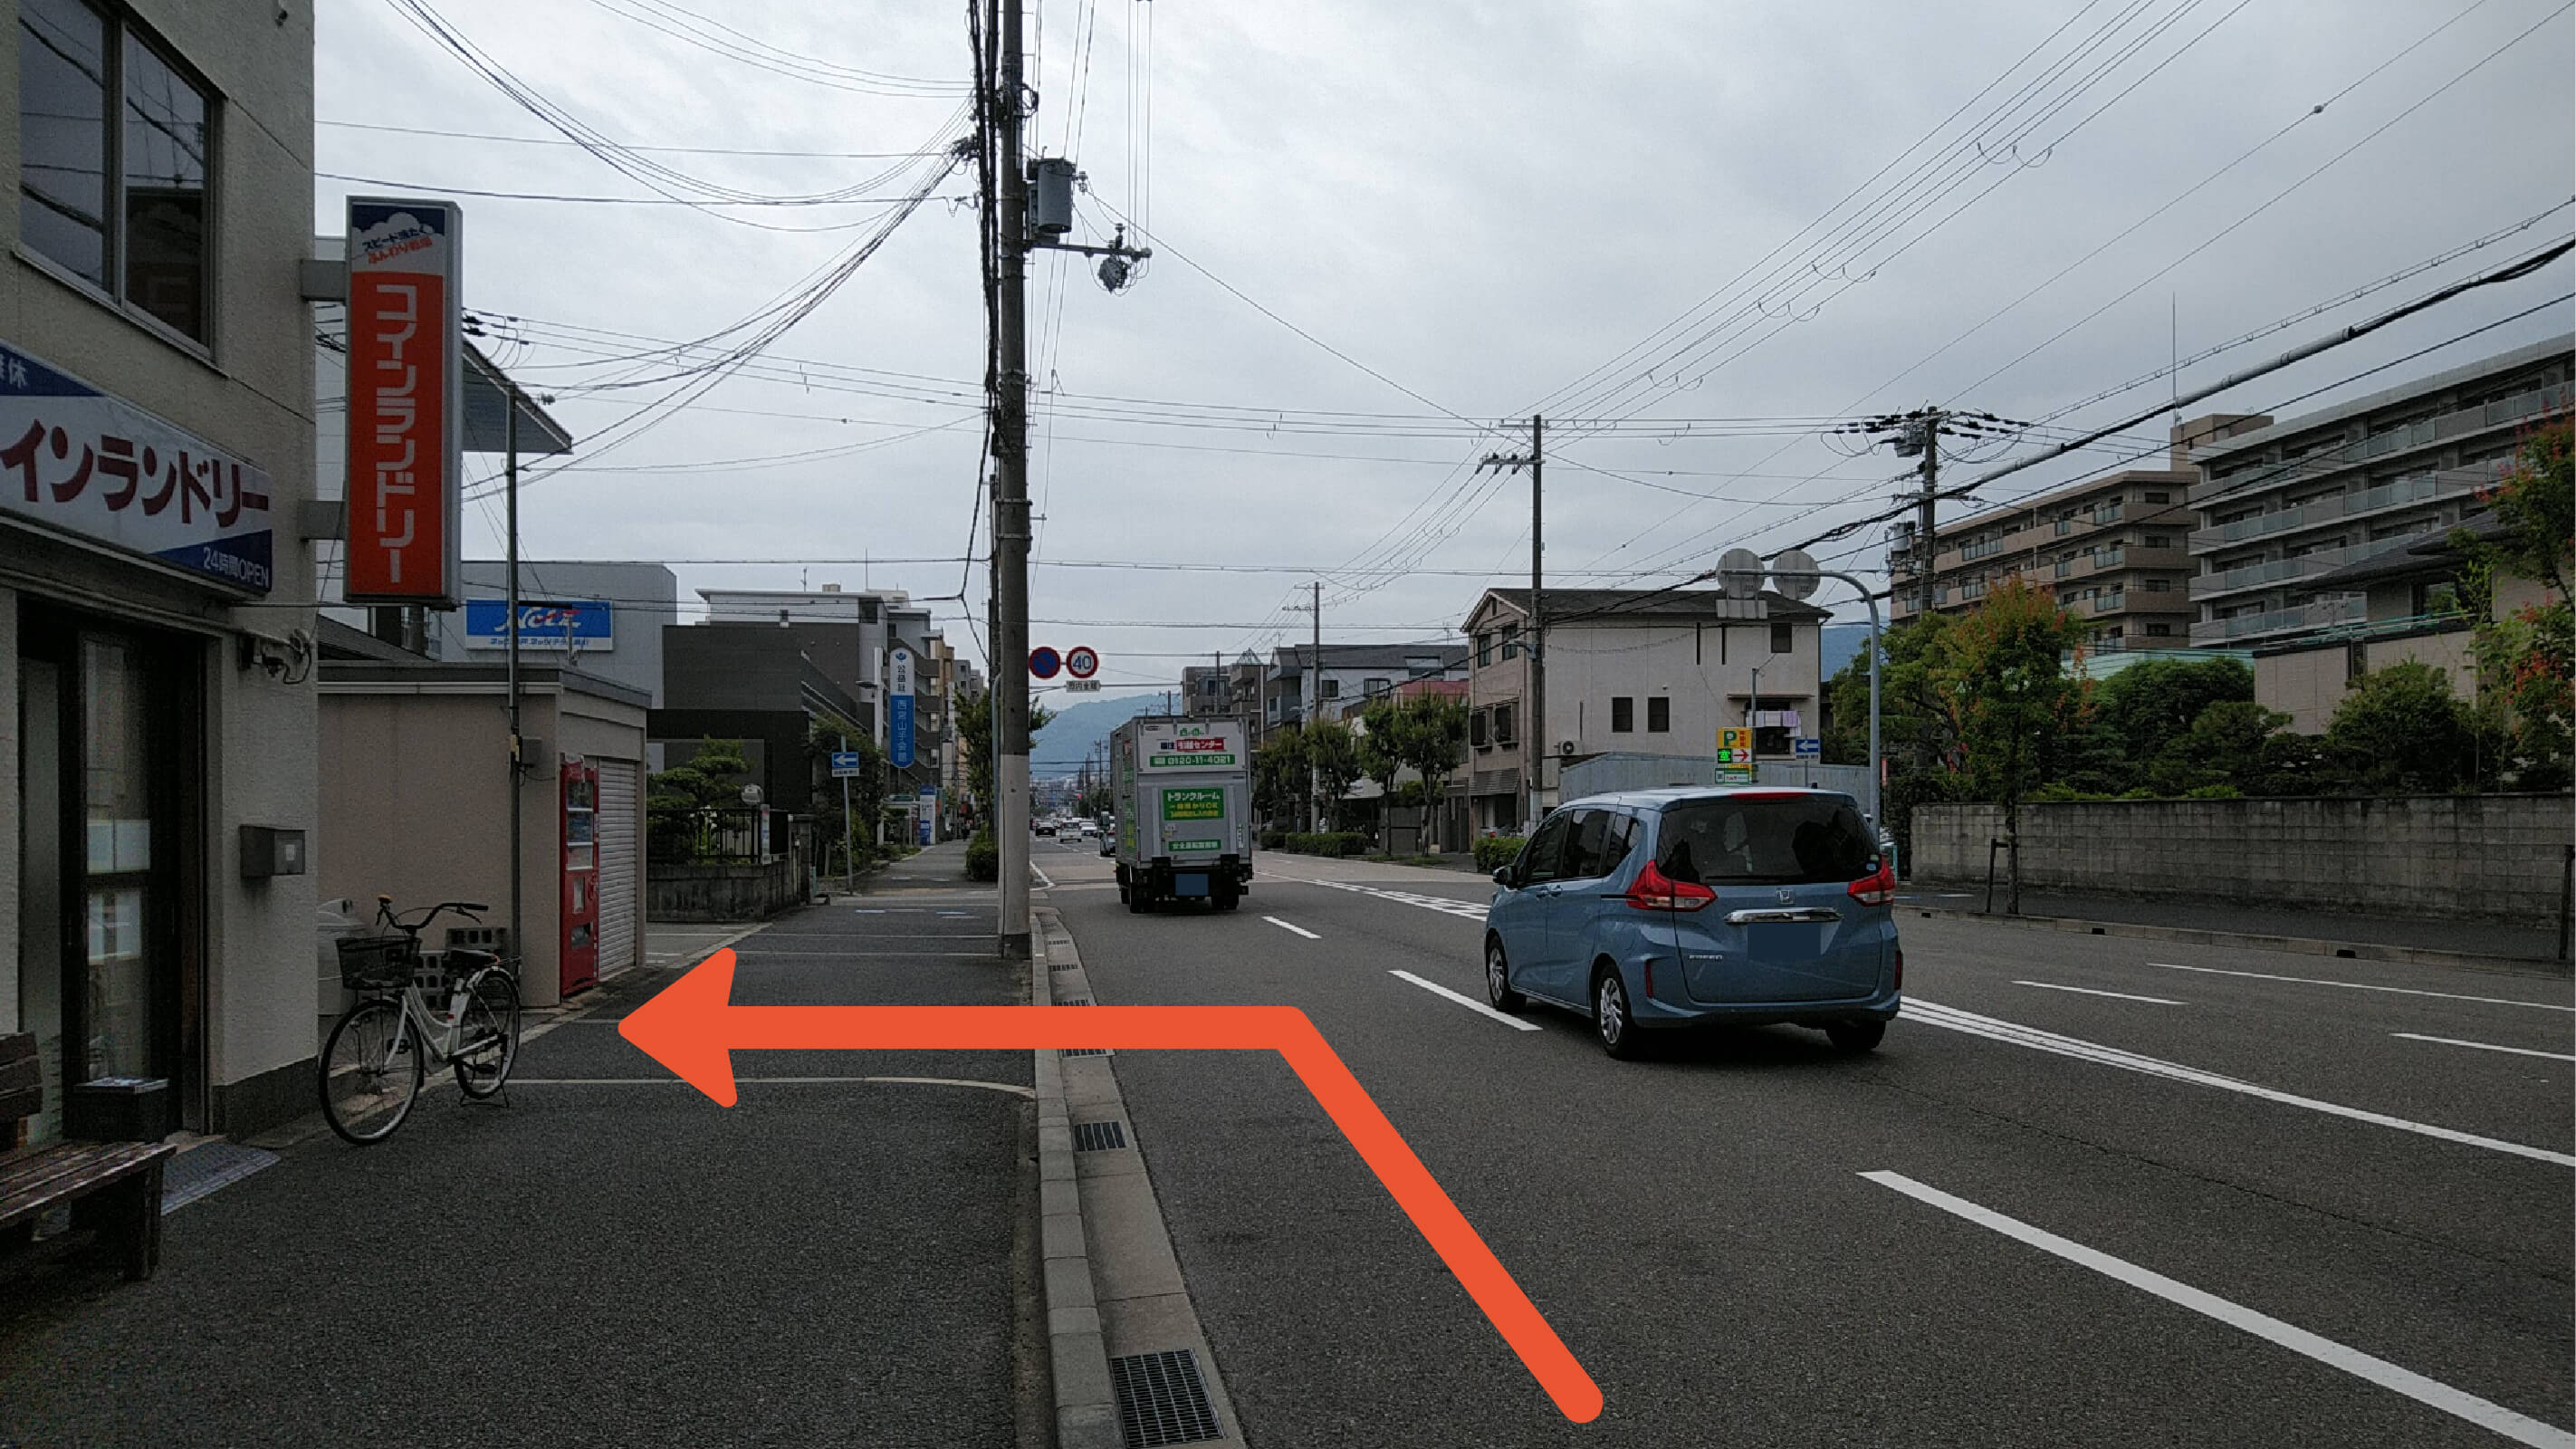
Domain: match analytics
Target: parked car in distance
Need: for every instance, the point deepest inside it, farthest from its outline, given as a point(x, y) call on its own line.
point(1701, 906)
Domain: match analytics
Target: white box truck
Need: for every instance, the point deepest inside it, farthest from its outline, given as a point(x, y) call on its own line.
point(1184, 793)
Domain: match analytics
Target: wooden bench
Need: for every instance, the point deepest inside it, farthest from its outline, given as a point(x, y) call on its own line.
point(115, 1187)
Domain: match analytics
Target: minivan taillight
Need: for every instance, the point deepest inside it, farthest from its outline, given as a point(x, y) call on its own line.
point(1876, 890)
point(1656, 891)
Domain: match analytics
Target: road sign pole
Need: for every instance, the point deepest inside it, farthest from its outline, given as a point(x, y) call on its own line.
point(847, 864)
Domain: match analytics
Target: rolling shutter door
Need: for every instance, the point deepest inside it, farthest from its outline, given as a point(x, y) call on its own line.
point(621, 882)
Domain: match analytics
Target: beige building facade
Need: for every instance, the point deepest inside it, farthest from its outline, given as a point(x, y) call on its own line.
point(157, 714)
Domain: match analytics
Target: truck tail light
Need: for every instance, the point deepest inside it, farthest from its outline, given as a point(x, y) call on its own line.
point(1876, 890)
point(1656, 891)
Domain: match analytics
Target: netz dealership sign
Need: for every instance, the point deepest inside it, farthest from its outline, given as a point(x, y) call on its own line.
point(90, 463)
point(584, 624)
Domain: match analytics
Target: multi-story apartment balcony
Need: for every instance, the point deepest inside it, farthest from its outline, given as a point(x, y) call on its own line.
point(2306, 565)
point(2447, 483)
point(2315, 614)
point(2421, 433)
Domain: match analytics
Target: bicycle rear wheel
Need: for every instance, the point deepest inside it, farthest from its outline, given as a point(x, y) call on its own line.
point(489, 1042)
point(371, 1072)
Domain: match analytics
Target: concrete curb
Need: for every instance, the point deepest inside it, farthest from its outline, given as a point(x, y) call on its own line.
point(2301, 945)
point(1086, 1409)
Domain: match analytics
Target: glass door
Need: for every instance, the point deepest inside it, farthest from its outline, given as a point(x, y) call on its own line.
point(126, 1014)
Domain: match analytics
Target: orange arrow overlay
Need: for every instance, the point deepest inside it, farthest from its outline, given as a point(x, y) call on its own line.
point(693, 1028)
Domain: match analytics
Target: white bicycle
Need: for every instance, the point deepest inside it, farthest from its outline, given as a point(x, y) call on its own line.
point(382, 1050)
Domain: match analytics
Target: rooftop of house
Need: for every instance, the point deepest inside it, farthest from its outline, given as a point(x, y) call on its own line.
point(1613, 607)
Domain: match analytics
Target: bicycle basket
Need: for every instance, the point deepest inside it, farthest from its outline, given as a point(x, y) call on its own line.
point(377, 963)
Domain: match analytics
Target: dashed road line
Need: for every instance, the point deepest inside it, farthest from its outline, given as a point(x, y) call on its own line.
point(2089, 991)
point(1470, 910)
point(1935, 1014)
point(1294, 930)
point(2484, 1046)
point(1469, 1002)
point(2521, 1428)
point(2364, 986)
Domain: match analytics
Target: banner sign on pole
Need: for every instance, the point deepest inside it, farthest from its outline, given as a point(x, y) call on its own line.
point(406, 402)
point(90, 463)
point(899, 709)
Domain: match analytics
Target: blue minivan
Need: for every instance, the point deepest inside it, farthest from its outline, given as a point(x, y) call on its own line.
point(1678, 907)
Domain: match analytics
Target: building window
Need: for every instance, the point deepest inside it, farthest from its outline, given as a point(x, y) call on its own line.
point(2113, 635)
point(2155, 631)
point(1511, 641)
point(1783, 640)
point(1475, 722)
point(1484, 649)
point(1659, 716)
point(1371, 688)
point(1623, 715)
point(2154, 586)
point(118, 201)
point(1326, 688)
point(1502, 724)
point(2157, 540)
point(2153, 498)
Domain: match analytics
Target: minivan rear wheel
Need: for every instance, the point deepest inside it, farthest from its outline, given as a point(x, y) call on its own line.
point(1498, 979)
point(1612, 1026)
point(1855, 1036)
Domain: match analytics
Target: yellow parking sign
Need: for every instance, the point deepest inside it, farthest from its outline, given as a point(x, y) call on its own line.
point(1735, 747)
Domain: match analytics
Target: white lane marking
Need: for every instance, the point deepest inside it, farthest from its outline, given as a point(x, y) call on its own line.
point(2365, 986)
point(1012, 1088)
point(2485, 1046)
point(1045, 881)
point(1935, 1014)
point(1469, 1002)
point(1297, 930)
point(2520, 1428)
point(2089, 991)
point(1470, 910)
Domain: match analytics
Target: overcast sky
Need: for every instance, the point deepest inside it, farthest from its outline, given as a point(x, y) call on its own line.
point(1470, 212)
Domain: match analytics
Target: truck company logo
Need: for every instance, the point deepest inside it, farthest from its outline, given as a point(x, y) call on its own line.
point(1177, 846)
point(1164, 761)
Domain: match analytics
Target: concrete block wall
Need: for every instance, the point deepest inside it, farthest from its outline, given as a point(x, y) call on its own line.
point(2467, 857)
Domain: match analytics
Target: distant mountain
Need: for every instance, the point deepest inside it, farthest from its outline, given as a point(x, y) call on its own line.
point(1841, 645)
point(1057, 752)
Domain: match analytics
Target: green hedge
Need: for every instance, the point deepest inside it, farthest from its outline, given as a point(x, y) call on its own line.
point(1332, 842)
point(1274, 840)
point(983, 857)
point(1493, 852)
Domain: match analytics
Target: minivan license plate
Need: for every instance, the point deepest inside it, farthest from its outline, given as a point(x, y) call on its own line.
point(1780, 940)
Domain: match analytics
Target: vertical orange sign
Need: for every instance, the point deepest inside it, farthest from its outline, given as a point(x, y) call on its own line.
point(406, 403)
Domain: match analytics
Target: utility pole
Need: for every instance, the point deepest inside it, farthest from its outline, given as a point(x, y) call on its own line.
point(1314, 710)
point(1004, 98)
point(510, 587)
point(1931, 437)
point(1534, 649)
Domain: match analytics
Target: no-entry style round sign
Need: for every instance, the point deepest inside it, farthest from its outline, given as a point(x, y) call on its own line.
point(1044, 662)
point(1081, 661)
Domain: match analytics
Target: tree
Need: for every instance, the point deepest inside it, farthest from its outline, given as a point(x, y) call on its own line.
point(2145, 708)
point(825, 733)
point(974, 721)
point(2009, 696)
point(2400, 731)
point(1435, 740)
point(678, 801)
point(1279, 773)
point(2224, 746)
point(1380, 743)
point(1914, 722)
point(1334, 757)
point(2527, 659)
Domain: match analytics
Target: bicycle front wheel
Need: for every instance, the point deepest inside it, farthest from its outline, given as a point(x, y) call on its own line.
point(371, 1072)
point(488, 1044)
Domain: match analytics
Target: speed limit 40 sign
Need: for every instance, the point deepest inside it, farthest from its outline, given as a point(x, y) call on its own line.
point(1081, 661)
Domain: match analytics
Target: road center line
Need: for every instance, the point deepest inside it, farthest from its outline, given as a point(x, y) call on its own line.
point(2485, 1046)
point(2520, 1428)
point(2364, 986)
point(1294, 930)
point(1934, 1014)
point(2089, 991)
point(1469, 1002)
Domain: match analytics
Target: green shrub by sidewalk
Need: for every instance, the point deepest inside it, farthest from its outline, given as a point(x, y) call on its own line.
point(1327, 842)
point(1493, 852)
point(983, 857)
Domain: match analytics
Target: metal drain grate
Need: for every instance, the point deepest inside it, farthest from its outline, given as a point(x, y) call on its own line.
point(1064, 965)
point(1075, 1001)
point(200, 1170)
point(1098, 1136)
point(1086, 1051)
point(1161, 1399)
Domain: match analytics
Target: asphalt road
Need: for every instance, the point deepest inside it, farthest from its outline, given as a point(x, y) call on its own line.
point(610, 1259)
point(1698, 1228)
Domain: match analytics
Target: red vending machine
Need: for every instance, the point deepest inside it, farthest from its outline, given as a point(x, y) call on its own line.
point(580, 945)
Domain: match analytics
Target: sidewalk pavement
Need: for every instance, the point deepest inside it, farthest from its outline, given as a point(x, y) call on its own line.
point(2344, 930)
point(609, 1258)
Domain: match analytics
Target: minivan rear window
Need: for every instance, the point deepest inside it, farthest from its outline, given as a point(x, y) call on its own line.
point(1765, 840)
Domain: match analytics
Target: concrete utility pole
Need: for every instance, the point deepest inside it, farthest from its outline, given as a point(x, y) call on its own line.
point(1011, 494)
point(1534, 649)
point(510, 588)
point(1314, 711)
point(1923, 509)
